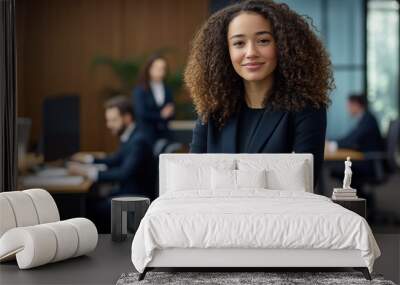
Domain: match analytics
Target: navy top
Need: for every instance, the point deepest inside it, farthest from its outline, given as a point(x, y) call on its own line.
point(148, 113)
point(132, 166)
point(249, 119)
point(365, 137)
point(277, 132)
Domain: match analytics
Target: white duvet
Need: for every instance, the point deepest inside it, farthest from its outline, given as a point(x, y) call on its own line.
point(250, 219)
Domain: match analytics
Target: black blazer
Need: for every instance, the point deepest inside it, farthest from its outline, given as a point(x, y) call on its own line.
point(147, 112)
point(278, 132)
point(131, 166)
point(365, 136)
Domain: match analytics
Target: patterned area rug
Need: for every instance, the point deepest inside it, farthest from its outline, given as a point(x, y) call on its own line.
point(231, 278)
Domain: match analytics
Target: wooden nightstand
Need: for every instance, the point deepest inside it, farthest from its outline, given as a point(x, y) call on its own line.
point(358, 206)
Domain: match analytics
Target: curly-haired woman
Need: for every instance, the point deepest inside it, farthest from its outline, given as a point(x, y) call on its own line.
point(259, 78)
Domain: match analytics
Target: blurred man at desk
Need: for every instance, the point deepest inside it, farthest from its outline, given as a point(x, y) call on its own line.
point(364, 137)
point(131, 165)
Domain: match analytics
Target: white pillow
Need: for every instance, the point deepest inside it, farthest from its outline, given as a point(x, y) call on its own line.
point(223, 179)
point(185, 178)
point(251, 178)
point(284, 174)
point(280, 180)
point(235, 179)
point(188, 175)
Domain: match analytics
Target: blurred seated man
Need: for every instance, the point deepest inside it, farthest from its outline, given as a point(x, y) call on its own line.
point(132, 165)
point(364, 137)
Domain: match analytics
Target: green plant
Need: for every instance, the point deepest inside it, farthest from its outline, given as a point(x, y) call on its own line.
point(175, 80)
point(184, 106)
point(126, 70)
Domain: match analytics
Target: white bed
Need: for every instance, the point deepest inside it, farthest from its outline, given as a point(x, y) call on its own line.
point(197, 224)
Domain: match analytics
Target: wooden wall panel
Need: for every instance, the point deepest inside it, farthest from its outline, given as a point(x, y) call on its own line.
point(57, 41)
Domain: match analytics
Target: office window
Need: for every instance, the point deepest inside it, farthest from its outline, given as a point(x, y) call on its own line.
point(340, 25)
point(383, 59)
point(310, 8)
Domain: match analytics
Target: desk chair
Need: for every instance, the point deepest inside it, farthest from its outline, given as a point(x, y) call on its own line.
point(165, 146)
point(385, 164)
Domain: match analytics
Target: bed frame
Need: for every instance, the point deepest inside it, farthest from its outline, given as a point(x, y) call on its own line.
point(247, 259)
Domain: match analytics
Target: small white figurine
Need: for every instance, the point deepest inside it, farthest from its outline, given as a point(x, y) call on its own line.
point(347, 174)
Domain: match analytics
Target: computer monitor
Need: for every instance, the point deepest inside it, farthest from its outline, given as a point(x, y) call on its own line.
point(61, 127)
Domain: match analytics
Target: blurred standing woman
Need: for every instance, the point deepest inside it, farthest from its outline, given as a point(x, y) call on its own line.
point(152, 99)
point(259, 78)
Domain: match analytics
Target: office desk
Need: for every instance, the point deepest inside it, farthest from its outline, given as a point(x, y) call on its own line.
point(182, 132)
point(341, 154)
point(70, 199)
point(97, 154)
point(32, 160)
point(29, 161)
point(83, 187)
point(185, 125)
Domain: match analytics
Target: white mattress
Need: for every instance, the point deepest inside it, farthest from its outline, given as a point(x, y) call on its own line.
point(253, 218)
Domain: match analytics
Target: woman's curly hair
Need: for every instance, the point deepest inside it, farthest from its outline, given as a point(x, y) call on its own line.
point(303, 76)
